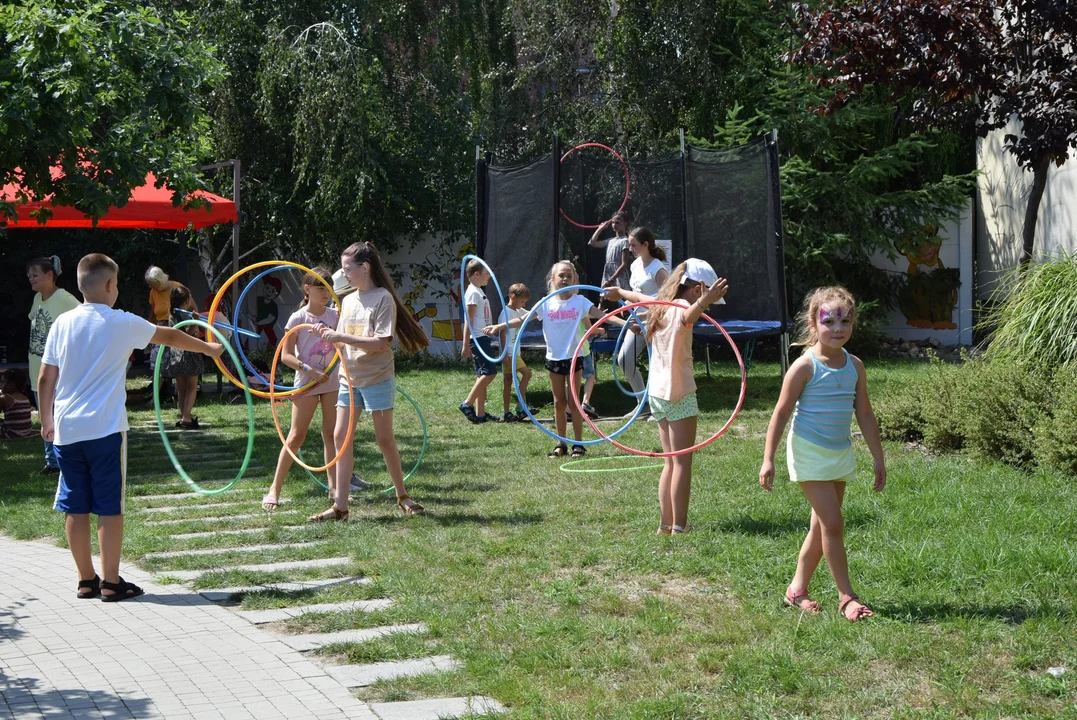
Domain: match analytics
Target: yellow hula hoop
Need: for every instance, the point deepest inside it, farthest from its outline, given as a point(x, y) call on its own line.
point(213, 314)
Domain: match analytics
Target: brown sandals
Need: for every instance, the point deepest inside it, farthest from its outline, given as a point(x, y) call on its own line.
point(332, 514)
point(413, 509)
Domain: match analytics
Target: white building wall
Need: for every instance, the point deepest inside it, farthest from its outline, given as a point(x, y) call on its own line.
point(1003, 193)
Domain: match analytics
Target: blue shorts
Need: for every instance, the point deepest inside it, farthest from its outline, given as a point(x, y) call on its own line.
point(483, 366)
point(379, 396)
point(588, 362)
point(93, 476)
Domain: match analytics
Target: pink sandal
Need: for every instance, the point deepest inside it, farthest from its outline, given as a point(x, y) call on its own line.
point(801, 601)
point(270, 502)
point(861, 612)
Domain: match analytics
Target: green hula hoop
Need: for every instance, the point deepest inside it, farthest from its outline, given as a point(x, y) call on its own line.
point(422, 450)
point(161, 423)
point(569, 467)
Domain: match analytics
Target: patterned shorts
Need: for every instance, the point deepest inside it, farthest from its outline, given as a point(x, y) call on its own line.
point(676, 410)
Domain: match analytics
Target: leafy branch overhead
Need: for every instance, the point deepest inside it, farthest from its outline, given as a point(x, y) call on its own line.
point(106, 91)
point(970, 65)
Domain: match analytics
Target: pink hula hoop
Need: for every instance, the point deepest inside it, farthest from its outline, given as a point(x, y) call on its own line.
point(628, 181)
point(644, 453)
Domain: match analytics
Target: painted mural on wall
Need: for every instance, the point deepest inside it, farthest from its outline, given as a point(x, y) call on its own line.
point(936, 265)
point(929, 299)
point(430, 289)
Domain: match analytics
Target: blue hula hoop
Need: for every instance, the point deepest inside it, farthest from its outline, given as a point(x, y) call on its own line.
point(617, 351)
point(516, 377)
point(239, 345)
point(467, 315)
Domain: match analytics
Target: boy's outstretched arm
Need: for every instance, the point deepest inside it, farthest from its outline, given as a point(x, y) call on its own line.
point(182, 341)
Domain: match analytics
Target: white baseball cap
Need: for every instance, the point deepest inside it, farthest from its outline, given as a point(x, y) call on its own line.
point(697, 270)
point(341, 286)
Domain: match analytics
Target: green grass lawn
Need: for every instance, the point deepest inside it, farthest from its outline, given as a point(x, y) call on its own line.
point(561, 602)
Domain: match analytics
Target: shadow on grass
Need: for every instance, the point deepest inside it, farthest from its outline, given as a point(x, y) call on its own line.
point(745, 524)
point(455, 518)
point(941, 612)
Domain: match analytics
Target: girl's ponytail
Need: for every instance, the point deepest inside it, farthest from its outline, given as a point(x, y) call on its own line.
point(411, 334)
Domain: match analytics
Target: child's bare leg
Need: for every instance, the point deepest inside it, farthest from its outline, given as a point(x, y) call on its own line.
point(386, 440)
point(506, 384)
point(481, 384)
point(190, 396)
point(110, 541)
point(329, 421)
point(682, 434)
point(588, 388)
point(577, 417)
point(560, 402)
point(302, 412)
point(77, 528)
point(525, 378)
point(346, 463)
point(826, 499)
point(665, 499)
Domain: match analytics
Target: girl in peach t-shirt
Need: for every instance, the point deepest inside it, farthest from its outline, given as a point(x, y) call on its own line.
point(693, 286)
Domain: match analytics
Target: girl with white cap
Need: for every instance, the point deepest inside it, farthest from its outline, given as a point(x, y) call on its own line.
point(693, 286)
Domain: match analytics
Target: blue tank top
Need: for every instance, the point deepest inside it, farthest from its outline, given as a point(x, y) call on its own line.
point(824, 412)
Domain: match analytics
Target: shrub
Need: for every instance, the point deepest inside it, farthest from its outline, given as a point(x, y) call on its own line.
point(900, 412)
point(998, 405)
point(1035, 324)
point(1055, 434)
point(942, 427)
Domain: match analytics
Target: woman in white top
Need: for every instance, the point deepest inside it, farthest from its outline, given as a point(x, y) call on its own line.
point(646, 275)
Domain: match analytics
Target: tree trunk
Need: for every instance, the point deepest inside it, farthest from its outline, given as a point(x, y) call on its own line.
point(1032, 210)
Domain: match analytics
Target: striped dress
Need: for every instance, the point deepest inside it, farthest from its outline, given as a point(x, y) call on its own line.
point(16, 421)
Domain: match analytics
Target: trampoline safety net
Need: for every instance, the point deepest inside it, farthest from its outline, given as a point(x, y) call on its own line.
point(722, 206)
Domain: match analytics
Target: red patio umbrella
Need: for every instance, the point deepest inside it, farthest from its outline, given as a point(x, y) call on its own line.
point(149, 207)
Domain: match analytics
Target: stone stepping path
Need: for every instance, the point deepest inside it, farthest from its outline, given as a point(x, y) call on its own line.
point(266, 567)
point(219, 550)
point(171, 472)
point(313, 641)
point(245, 531)
point(177, 496)
point(439, 709)
point(183, 455)
point(222, 594)
point(260, 617)
point(219, 518)
point(193, 506)
point(353, 676)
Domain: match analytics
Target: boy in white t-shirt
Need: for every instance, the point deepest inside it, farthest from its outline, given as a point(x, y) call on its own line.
point(477, 308)
point(81, 386)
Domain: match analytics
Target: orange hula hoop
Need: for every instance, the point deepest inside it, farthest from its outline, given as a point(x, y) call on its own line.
point(276, 418)
point(213, 314)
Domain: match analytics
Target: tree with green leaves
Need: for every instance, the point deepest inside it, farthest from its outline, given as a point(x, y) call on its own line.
point(970, 65)
point(106, 92)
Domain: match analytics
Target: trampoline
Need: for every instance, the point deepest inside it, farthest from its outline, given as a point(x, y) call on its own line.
point(719, 205)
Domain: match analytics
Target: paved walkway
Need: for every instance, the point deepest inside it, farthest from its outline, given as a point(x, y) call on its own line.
point(171, 654)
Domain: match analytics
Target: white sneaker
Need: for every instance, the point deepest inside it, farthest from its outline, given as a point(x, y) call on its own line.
point(358, 484)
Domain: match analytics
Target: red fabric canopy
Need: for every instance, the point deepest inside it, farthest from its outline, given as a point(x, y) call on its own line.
point(149, 207)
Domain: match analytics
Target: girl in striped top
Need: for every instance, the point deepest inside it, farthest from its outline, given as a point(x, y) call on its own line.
point(15, 405)
point(822, 391)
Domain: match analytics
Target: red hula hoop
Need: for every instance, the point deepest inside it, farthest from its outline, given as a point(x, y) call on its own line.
point(628, 181)
point(672, 453)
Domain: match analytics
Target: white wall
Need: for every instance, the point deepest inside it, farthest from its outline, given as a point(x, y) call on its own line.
point(1003, 193)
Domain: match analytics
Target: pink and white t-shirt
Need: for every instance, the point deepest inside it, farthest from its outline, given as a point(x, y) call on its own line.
point(560, 321)
point(313, 350)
